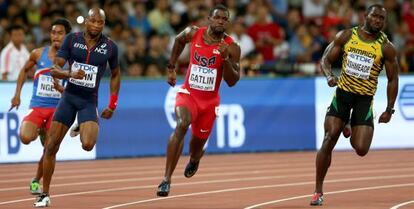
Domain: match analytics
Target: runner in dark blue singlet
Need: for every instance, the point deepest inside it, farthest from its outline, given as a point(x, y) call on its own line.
point(88, 54)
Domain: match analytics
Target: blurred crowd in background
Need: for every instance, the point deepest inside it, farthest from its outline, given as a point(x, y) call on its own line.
point(277, 37)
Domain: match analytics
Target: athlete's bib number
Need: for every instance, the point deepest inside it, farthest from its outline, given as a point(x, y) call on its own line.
point(202, 78)
point(90, 75)
point(45, 87)
point(359, 65)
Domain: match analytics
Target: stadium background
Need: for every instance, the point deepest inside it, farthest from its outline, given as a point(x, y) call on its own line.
point(277, 106)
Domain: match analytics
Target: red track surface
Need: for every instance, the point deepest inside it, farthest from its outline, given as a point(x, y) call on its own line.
point(383, 179)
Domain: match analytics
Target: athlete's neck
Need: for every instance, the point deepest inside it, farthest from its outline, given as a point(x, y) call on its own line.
point(368, 32)
point(52, 51)
point(90, 37)
point(214, 36)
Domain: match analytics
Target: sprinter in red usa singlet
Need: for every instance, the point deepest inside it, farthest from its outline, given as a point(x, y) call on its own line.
point(214, 56)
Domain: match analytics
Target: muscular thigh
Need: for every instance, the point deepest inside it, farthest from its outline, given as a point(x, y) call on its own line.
point(202, 125)
point(89, 132)
point(88, 112)
point(65, 112)
point(341, 105)
point(362, 136)
point(34, 118)
point(362, 112)
point(185, 100)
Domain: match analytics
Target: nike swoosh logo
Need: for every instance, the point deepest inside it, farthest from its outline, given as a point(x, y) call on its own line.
point(196, 45)
point(203, 131)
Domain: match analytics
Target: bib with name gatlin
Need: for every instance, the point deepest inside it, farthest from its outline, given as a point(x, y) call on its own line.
point(362, 64)
point(205, 70)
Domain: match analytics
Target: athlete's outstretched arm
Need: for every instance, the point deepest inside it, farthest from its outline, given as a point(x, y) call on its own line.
point(332, 53)
point(179, 43)
point(231, 63)
point(34, 55)
point(392, 69)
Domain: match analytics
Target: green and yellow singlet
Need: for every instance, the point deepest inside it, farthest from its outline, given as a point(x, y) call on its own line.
point(362, 64)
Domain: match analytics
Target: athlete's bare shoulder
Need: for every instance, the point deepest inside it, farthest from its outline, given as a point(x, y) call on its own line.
point(389, 50)
point(36, 53)
point(187, 34)
point(343, 36)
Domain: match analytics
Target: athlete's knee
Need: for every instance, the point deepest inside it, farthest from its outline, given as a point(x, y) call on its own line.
point(52, 148)
point(361, 151)
point(329, 141)
point(26, 138)
point(183, 123)
point(329, 138)
point(88, 146)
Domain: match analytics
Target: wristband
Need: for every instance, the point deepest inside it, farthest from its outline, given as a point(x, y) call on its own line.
point(113, 102)
point(390, 110)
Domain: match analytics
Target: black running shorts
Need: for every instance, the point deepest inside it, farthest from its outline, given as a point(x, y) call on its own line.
point(361, 105)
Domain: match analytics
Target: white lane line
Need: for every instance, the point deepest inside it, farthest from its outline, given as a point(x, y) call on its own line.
point(257, 187)
point(232, 173)
point(251, 172)
point(156, 170)
point(213, 182)
point(402, 204)
point(61, 168)
point(152, 170)
point(334, 192)
point(152, 186)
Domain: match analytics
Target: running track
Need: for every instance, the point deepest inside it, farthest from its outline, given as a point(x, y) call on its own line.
point(383, 179)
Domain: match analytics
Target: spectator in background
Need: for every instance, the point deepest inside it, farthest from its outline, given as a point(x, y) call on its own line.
point(134, 57)
point(265, 34)
point(318, 42)
point(300, 45)
point(393, 17)
point(41, 31)
point(293, 20)
point(14, 55)
point(408, 17)
point(139, 21)
point(240, 36)
point(313, 9)
point(279, 10)
point(400, 36)
point(155, 56)
point(159, 17)
point(251, 63)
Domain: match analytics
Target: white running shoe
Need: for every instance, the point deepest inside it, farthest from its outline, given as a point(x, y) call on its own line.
point(43, 200)
point(74, 131)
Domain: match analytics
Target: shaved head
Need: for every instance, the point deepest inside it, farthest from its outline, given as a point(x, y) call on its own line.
point(96, 11)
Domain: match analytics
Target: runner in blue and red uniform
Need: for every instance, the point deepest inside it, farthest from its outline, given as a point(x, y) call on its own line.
point(214, 56)
point(87, 54)
point(44, 96)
